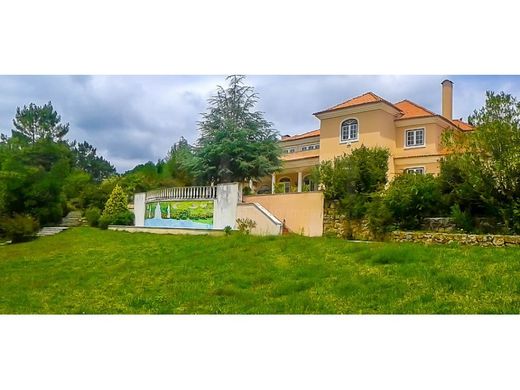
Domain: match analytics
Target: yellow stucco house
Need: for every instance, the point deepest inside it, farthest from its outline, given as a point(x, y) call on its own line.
point(412, 134)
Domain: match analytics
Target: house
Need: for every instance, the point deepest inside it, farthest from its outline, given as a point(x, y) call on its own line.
point(411, 133)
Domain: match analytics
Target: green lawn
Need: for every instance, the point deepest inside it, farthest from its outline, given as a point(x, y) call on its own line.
point(85, 270)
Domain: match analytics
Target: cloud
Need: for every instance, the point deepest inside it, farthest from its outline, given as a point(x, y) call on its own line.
point(134, 119)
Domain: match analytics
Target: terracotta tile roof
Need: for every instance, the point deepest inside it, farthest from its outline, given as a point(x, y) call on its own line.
point(462, 125)
point(313, 133)
point(412, 110)
point(300, 156)
point(366, 98)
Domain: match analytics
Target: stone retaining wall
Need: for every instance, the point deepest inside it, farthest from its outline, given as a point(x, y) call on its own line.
point(447, 238)
point(336, 224)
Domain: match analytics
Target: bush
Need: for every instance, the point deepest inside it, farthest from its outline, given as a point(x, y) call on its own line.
point(379, 217)
point(122, 218)
point(117, 203)
point(412, 197)
point(20, 228)
point(462, 219)
point(247, 190)
point(92, 215)
point(245, 225)
point(227, 230)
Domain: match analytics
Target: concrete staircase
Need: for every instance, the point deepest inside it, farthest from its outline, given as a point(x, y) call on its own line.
point(51, 230)
point(72, 219)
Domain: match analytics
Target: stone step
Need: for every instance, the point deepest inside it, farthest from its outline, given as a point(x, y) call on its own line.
point(51, 230)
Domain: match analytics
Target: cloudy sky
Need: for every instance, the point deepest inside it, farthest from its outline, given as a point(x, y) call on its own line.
point(134, 119)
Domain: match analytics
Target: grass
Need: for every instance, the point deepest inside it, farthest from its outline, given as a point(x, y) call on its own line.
point(86, 270)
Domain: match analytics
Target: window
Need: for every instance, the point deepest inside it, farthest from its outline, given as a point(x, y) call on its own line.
point(349, 130)
point(414, 138)
point(287, 184)
point(289, 150)
point(308, 184)
point(415, 170)
point(310, 147)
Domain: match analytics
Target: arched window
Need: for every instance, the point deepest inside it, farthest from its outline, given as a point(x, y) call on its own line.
point(349, 130)
point(287, 184)
point(308, 184)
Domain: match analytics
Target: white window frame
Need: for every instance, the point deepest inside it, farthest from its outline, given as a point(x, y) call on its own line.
point(290, 150)
point(423, 145)
point(310, 147)
point(285, 181)
point(348, 141)
point(415, 169)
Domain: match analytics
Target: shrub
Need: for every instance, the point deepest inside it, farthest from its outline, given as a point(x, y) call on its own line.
point(462, 219)
point(245, 225)
point(20, 228)
point(247, 190)
point(379, 217)
point(123, 218)
point(412, 197)
point(92, 215)
point(116, 203)
point(227, 230)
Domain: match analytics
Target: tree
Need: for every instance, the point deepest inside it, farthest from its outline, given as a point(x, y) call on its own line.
point(117, 203)
point(485, 164)
point(38, 122)
point(179, 161)
point(352, 179)
point(86, 159)
point(236, 143)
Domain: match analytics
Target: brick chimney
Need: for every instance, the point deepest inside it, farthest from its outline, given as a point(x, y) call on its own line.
point(447, 99)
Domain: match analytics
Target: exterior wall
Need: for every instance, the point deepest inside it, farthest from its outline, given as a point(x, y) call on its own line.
point(226, 205)
point(302, 212)
point(376, 128)
point(266, 223)
point(139, 208)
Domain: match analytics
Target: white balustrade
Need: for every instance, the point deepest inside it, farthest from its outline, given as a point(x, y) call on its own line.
point(196, 192)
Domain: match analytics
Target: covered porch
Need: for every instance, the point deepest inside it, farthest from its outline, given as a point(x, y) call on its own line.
point(296, 176)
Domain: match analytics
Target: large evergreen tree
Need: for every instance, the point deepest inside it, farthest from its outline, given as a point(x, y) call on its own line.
point(236, 143)
point(39, 122)
point(86, 159)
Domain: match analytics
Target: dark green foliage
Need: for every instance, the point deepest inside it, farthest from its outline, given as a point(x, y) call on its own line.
point(228, 230)
point(379, 217)
point(353, 178)
point(412, 197)
point(483, 175)
point(92, 215)
point(39, 122)
point(121, 218)
point(236, 143)
point(462, 219)
point(86, 159)
point(19, 228)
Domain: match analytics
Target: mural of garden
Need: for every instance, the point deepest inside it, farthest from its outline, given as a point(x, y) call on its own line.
point(180, 214)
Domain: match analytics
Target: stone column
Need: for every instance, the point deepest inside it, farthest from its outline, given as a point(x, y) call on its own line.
point(300, 181)
point(273, 182)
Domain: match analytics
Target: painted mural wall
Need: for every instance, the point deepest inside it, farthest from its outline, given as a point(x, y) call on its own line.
point(197, 214)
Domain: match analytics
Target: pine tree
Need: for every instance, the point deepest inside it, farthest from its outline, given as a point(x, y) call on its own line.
point(236, 142)
point(39, 122)
point(116, 203)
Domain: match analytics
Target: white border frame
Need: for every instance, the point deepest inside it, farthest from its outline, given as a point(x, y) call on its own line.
point(405, 138)
point(358, 131)
point(416, 167)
